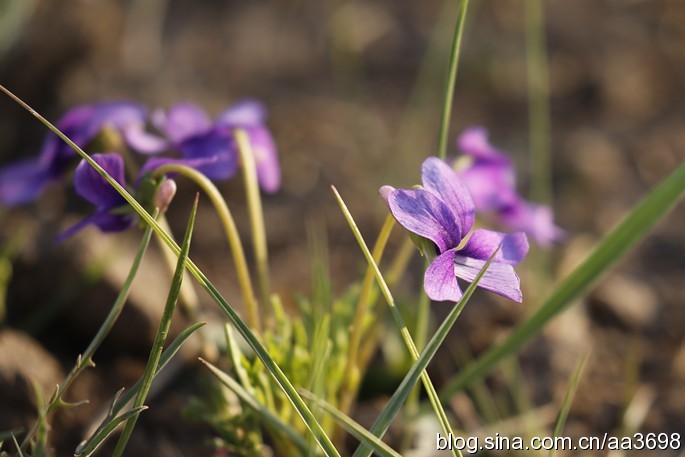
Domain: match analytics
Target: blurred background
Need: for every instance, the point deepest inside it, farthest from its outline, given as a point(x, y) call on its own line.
point(354, 92)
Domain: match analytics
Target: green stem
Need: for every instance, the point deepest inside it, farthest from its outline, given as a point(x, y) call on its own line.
point(160, 336)
point(354, 367)
point(450, 80)
point(254, 204)
point(86, 359)
point(231, 234)
point(404, 331)
point(538, 102)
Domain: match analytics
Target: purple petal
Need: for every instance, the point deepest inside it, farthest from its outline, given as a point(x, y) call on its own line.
point(266, 159)
point(421, 212)
point(218, 145)
point(491, 184)
point(384, 192)
point(182, 121)
point(104, 220)
point(142, 141)
point(439, 179)
point(197, 164)
point(90, 185)
point(535, 220)
point(499, 278)
point(246, 113)
point(439, 281)
point(474, 142)
point(23, 182)
point(483, 243)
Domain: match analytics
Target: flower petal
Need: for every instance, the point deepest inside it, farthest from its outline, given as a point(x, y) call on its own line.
point(104, 220)
point(491, 184)
point(439, 179)
point(243, 114)
point(142, 141)
point(483, 243)
point(499, 278)
point(474, 142)
point(90, 185)
point(421, 212)
point(182, 121)
point(439, 281)
point(535, 220)
point(266, 158)
point(23, 182)
point(219, 146)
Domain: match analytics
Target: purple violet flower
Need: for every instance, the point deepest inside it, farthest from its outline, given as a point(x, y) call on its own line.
point(23, 181)
point(491, 181)
point(443, 212)
point(90, 185)
point(210, 147)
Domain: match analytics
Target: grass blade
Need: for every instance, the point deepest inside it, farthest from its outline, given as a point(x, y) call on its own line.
point(287, 387)
point(265, 413)
point(386, 416)
point(87, 448)
point(629, 232)
point(354, 428)
point(568, 399)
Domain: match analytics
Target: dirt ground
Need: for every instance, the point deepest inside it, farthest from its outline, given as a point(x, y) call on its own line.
point(354, 94)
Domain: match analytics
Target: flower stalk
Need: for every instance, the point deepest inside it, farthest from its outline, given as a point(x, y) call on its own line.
point(254, 204)
point(232, 235)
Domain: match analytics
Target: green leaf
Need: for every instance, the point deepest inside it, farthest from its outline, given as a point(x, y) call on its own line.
point(627, 234)
point(88, 447)
point(354, 428)
point(248, 399)
point(380, 426)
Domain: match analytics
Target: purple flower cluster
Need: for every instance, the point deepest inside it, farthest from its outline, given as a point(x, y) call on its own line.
point(185, 131)
point(490, 179)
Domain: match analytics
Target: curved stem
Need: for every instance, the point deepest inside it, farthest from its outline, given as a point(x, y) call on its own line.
point(254, 204)
point(450, 80)
point(231, 234)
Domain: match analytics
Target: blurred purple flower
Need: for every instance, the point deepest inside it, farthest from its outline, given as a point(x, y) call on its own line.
point(90, 185)
point(210, 147)
point(443, 212)
point(491, 181)
point(23, 181)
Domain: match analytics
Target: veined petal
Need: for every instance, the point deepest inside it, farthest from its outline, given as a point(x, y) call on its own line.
point(421, 212)
point(483, 243)
point(439, 281)
point(499, 278)
point(243, 114)
point(90, 185)
point(439, 179)
point(266, 158)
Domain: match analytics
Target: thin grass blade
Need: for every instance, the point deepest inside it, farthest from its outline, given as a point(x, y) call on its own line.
point(391, 409)
point(625, 236)
point(354, 428)
point(252, 402)
point(87, 448)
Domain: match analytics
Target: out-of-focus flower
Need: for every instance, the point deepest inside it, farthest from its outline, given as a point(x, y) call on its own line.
point(210, 146)
point(490, 179)
point(23, 181)
point(110, 214)
point(443, 212)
